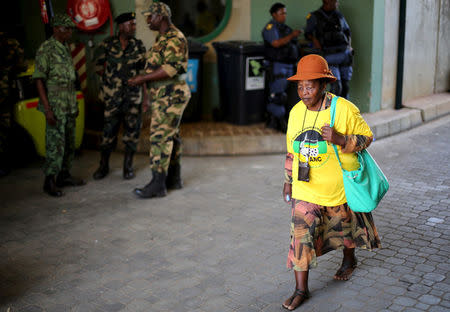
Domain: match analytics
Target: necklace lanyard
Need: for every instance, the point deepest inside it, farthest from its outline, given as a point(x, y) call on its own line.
point(314, 124)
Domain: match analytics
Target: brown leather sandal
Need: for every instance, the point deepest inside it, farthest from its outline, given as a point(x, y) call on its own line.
point(303, 294)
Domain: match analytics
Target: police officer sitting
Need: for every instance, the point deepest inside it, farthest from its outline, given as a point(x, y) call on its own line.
point(330, 34)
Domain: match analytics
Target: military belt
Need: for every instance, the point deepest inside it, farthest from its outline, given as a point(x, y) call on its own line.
point(61, 87)
point(165, 82)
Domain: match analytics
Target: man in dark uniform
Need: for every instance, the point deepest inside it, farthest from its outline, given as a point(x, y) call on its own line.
point(281, 51)
point(119, 58)
point(330, 33)
point(55, 80)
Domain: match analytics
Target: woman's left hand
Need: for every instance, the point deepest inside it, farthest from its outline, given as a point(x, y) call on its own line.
point(287, 192)
point(136, 80)
point(332, 136)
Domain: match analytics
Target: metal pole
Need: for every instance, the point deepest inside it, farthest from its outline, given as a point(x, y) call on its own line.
point(400, 55)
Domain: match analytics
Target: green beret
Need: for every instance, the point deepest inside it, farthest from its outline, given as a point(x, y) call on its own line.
point(125, 17)
point(158, 8)
point(62, 19)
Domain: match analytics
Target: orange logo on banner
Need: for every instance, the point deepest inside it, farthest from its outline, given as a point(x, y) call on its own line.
point(88, 9)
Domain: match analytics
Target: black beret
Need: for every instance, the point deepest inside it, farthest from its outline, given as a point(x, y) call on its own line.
point(125, 17)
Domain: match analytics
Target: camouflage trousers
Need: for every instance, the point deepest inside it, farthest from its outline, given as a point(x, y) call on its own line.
point(126, 110)
point(165, 141)
point(60, 145)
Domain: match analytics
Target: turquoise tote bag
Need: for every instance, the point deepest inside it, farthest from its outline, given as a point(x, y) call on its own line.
point(365, 187)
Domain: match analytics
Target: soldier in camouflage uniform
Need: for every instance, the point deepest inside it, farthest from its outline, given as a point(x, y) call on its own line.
point(55, 79)
point(118, 59)
point(169, 95)
point(11, 63)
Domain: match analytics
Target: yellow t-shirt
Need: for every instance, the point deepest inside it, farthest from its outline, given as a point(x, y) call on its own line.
point(325, 186)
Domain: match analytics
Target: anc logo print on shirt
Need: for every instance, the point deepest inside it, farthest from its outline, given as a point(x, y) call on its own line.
point(310, 142)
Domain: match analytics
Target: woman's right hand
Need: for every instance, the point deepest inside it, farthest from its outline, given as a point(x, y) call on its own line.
point(287, 192)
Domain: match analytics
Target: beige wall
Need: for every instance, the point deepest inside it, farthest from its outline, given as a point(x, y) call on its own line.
point(426, 55)
point(422, 20)
point(442, 81)
point(142, 31)
point(391, 23)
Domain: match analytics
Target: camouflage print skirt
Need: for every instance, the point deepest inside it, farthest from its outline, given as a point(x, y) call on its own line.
point(316, 230)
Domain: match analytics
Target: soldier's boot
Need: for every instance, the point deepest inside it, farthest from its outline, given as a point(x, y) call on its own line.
point(103, 170)
point(64, 178)
point(128, 172)
point(50, 187)
point(173, 180)
point(156, 187)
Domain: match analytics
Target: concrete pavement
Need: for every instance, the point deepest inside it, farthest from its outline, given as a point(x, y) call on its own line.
point(220, 244)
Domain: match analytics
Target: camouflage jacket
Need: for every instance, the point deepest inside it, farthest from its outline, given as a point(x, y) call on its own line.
point(11, 63)
point(119, 65)
point(54, 65)
point(170, 52)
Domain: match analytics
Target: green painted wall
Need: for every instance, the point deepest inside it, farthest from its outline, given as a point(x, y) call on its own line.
point(359, 15)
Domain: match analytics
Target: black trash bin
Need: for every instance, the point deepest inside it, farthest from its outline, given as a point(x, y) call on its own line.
point(193, 111)
point(241, 81)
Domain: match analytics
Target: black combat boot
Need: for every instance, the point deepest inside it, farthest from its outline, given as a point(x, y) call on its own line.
point(173, 180)
point(50, 187)
point(156, 187)
point(128, 172)
point(103, 170)
point(64, 178)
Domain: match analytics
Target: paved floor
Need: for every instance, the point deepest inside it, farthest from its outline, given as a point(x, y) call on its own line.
point(220, 243)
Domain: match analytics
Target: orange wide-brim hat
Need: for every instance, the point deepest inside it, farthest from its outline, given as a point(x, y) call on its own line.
point(312, 67)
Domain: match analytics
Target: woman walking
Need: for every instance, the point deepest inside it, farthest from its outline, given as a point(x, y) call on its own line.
point(321, 218)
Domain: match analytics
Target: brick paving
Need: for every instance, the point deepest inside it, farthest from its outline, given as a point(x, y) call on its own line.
point(220, 243)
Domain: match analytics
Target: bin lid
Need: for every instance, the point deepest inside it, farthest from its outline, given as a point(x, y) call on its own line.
point(239, 46)
point(196, 46)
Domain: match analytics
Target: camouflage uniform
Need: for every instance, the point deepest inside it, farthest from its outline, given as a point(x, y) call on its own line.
point(122, 102)
point(168, 98)
point(54, 65)
point(11, 63)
